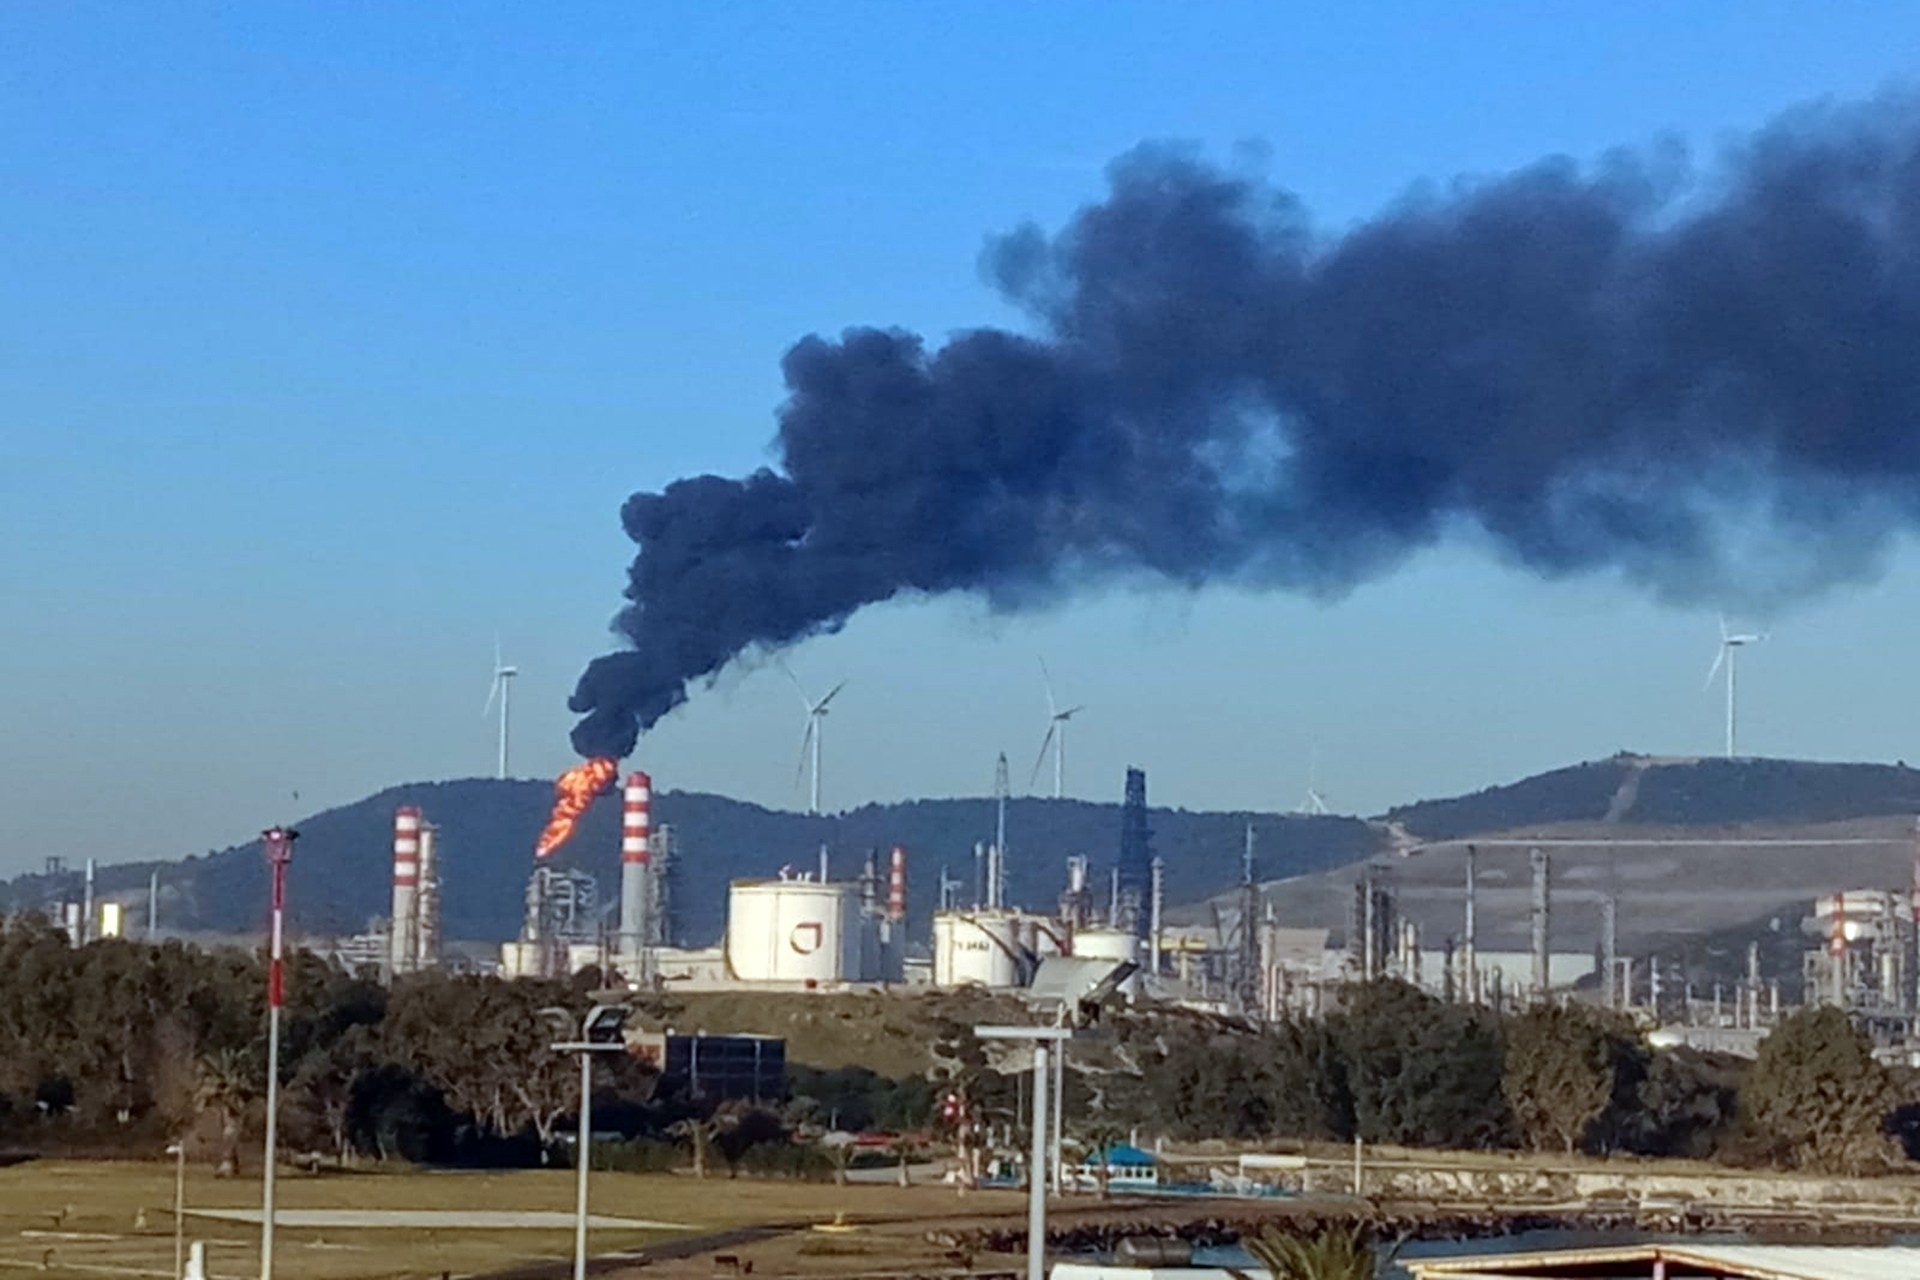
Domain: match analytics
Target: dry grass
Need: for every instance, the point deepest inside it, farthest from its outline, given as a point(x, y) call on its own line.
point(71, 1219)
point(891, 1033)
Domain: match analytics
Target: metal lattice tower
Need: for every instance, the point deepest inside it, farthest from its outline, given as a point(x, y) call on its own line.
point(1134, 869)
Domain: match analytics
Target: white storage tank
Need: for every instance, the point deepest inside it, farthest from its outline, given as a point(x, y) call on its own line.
point(520, 960)
point(1106, 944)
point(1109, 944)
point(978, 949)
point(1049, 937)
point(798, 931)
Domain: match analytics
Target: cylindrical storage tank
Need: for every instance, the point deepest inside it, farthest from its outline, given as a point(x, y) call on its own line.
point(1050, 937)
point(793, 931)
point(519, 959)
point(977, 949)
point(112, 920)
point(1108, 944)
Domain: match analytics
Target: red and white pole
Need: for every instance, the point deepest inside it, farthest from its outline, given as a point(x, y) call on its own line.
point(636, 835)
point(897, 885)
point(403, 934)
point(279, 848)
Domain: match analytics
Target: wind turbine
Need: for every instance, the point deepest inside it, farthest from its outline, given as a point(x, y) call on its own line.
point(1315, 804)
point(810, 739)
point(1728, 656)
point(502, 689)
point(1056, 737)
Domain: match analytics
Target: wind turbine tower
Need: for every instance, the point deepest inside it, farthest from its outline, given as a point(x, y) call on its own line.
point(1728, 656)
point(810, 738)
point(1056, 736)
point(501, 691)
point(1315, 803)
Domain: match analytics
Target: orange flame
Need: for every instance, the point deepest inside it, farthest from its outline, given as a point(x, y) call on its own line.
point(573, 791)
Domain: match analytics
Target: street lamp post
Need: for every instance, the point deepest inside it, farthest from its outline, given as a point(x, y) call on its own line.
point(601, 1031)
point(1044, 1040)
point(178, 1151)
point(279, 848)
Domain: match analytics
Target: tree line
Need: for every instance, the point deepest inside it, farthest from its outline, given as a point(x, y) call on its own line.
point(1394, 1065)
point(125, 1046)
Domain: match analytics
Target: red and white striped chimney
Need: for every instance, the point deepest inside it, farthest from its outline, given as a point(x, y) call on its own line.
point(897, 884)
point(636, 833)
point(402, 936)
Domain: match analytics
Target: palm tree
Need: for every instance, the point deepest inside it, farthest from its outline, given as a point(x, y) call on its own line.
point(225, 1084)
point(1098, 1141)
point(698, 1135)
point(1334, 1254)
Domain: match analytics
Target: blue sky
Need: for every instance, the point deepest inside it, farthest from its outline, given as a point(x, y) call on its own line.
point(333, 337)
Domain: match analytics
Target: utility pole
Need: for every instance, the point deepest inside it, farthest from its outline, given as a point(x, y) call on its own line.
point(1000, 790)
point(279, 849)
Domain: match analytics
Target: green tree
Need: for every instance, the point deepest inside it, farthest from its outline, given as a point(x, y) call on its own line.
point(1420, 1073)
point(1816, 1098)
point(1686, 1105)
point(1562, 1065)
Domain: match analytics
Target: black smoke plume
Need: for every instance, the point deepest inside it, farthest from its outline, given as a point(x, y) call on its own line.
point(1705, 384)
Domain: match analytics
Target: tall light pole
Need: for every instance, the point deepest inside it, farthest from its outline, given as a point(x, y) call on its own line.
point(1043, 1039)
point(279, 848)
point(601, 1031)
point(178, 1151)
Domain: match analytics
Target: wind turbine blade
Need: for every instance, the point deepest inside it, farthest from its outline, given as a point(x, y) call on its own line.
point(1719, 657)
point(1070, 712)
point(806, 740)
point(798, 688)
point(1723, 628)
point(493, 689)
point(822, 704)
point(1042, 757)
point(1046, 677)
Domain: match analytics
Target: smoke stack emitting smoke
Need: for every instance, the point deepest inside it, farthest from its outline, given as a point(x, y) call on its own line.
point(1706, 386)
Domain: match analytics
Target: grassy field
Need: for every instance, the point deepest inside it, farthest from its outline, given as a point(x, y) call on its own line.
point(90, 1219)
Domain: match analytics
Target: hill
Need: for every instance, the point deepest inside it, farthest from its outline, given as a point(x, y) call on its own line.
point(1665, 791)
point(1690, 850)
point(340, 875)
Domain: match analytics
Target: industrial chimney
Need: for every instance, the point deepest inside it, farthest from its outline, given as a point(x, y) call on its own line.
point(402, 938)
point(897, 887)
point(1542, 908)
point(1469, 943)
point(636, 834)
point(426, 902)
point(1610, 950)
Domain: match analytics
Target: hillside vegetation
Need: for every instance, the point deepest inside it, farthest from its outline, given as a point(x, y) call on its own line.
point(1646, 790)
